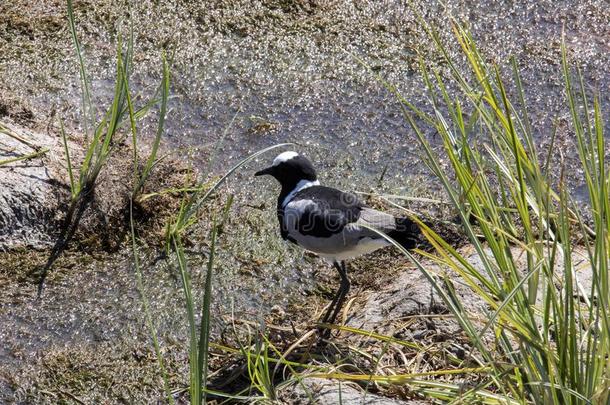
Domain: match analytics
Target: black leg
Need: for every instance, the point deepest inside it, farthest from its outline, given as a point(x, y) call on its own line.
point(343, 290)
point(338, 300)
point(329, 311)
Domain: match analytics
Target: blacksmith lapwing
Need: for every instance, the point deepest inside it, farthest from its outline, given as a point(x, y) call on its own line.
point(329, 222)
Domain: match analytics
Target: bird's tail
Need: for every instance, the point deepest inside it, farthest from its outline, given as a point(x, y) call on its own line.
point(406, 233)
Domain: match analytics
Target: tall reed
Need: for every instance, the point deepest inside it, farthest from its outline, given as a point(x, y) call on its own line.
point(550, 344)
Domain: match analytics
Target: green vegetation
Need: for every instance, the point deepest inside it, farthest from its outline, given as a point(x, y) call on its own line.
point(120, 113)
point(106, 136)
point(199, 335)
point(82, 182)
point(6, 130)
point(550, 338)
point(545, 339)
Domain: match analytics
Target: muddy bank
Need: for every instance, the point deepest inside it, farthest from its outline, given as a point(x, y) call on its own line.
point(31, 191)
point(35, 193)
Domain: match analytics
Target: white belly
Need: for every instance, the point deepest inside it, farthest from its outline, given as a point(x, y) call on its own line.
point(335, 247)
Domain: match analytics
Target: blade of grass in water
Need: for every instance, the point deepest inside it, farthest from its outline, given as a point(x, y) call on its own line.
point(87, 105)
point(68, 160)
point(189, 304)
point(162, 114)
point(204, 331)
point(147, 312)
point(130, 109)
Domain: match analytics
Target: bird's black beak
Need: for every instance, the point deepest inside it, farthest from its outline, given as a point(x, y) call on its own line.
point(268, 170)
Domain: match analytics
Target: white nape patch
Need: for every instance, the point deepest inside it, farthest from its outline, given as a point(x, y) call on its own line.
point(301, 185)
point(284, 156)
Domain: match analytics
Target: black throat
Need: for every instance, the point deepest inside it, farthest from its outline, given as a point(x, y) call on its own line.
point(287, 188)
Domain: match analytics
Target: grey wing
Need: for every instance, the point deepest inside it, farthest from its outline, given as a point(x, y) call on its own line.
point(377, 220)
point(402, 230)
point(358, 238)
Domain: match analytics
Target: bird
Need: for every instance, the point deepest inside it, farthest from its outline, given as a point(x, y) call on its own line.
point(331, 223)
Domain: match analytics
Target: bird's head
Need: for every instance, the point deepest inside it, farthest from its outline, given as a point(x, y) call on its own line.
point(289, 168)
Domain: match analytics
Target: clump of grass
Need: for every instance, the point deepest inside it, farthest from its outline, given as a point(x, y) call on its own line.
point(104, 139)
point(120, 113)
point(550, 344)
point(259, 366)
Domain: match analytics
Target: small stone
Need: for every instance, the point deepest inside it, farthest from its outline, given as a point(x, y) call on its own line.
point(278, 310)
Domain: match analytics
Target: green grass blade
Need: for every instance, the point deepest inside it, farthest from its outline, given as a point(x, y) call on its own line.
point(87, 105)
point(147, 312)
point(132, 120)
point(204, 331)
point(73, 186)
point(24, 157)
point(195, 380)
point(162, 114)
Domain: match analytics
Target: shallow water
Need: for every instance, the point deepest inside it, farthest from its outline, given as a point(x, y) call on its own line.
point(290, 73)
